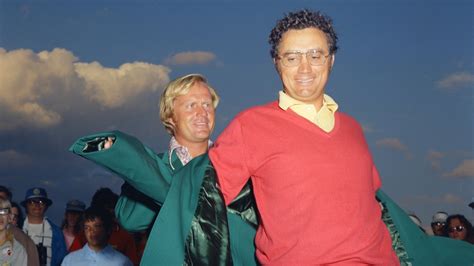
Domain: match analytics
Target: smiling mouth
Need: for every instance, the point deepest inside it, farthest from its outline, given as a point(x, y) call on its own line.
point(201, 123)
point(305, 81)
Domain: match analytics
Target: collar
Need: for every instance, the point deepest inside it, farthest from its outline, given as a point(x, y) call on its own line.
point(181, 151)
point(104, 250)
point(285, 101)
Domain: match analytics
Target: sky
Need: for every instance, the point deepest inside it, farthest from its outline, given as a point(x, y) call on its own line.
point(404, 70)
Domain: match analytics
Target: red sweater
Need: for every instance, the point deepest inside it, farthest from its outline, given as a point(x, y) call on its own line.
point(315, 191)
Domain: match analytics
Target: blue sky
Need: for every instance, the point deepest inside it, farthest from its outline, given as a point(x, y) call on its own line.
point(404, 70)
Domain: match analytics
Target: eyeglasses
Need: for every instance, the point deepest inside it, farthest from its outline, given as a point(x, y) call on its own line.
point(458, 228)
point(438, 224)
point(315, 58)
point(37, 202)
point(4, 211)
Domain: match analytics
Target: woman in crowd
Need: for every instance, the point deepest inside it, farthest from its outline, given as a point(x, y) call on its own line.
point(458, 227)
point(17, 215)
point(12, 252)
point(72, 223)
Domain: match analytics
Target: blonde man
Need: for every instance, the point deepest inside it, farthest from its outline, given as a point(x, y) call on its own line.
point(191, 228)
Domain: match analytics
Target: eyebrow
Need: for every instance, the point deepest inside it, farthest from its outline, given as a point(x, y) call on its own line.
point(318, 50)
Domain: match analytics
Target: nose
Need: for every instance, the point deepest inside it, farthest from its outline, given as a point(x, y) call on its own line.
point(201, 111)
point(305, 66)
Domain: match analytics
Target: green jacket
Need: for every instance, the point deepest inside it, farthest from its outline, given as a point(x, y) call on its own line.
point(194, 226)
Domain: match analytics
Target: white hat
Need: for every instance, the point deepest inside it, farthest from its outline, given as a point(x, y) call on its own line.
point(440, 217)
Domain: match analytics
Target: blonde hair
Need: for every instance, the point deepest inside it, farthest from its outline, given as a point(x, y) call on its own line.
point(178, 87)
point(5, 204)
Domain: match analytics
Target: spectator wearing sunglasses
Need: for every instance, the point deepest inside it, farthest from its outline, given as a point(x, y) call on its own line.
point(12, 252)
point(458, 227)
point(48, 237)
point(18, 234)
point(438, 223)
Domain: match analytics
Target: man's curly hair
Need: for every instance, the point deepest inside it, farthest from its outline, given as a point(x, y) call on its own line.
point(299, 20)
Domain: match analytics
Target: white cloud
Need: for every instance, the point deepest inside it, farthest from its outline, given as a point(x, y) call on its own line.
point(391, 143)
point(112, 87)
point(456, 80)
point(191, 58)
point(395, 144)
point(464, 169)
point(38, 87)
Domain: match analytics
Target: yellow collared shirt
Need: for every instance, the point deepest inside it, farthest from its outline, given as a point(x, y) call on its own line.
point(324, 118)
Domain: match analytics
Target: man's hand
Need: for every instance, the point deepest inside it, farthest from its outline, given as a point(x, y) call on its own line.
point(108, 143)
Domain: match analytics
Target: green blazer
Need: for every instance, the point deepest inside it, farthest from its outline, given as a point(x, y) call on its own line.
point(195, 227)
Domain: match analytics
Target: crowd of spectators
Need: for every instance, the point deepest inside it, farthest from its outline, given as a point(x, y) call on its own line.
point(93, 234)
point(87, 236)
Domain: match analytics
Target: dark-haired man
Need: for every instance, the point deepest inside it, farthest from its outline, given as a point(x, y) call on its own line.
point(316, 186)
point(309, 163)
point(121, 240)
point(98, 225)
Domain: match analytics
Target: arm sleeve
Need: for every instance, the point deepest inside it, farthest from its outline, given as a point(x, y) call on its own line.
point(228, 155)
point(21, 256)
point(135, 211)
point(130, 160)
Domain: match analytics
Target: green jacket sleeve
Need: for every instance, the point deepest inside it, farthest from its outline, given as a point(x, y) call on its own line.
point(420, 248)
point(129, 159)
point(133, 215)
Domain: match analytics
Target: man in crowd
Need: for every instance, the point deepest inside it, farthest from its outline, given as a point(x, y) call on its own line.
point(119, 239)
point(438, 223)
point(98, 226)
point(47, 236)
point(19, 235)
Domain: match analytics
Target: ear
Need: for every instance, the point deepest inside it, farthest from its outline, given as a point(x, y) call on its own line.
point(171, 121)
point(333, 58)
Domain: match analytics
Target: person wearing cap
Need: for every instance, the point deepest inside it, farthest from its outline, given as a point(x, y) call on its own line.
point(438, 223)
point(11, 252)
point(48, 237)
point(72, 223)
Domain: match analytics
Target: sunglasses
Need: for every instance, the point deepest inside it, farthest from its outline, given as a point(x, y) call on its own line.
point(458, 228)
point(37, 202)
point(438, 224)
